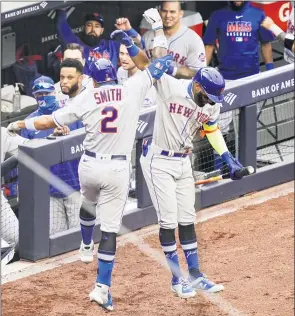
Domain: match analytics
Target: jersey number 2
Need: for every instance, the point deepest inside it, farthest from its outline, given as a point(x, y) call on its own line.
point(112, 115)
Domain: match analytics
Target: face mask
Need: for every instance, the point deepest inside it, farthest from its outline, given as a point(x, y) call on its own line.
point(90, 40)
point(201, 99)
point(47, 104)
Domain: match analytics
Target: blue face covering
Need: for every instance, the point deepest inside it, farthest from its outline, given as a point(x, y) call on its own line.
point(47, 104)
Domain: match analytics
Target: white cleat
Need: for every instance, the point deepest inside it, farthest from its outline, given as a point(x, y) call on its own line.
point(86, 252)
point(183, 289)
point(102, 296)
point(204, 284)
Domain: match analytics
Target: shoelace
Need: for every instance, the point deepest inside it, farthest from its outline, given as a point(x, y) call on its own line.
point(184, 283)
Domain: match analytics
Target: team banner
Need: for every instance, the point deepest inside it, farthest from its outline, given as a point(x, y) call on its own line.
point(237, 94)
point(259, 87)
point(32, 9)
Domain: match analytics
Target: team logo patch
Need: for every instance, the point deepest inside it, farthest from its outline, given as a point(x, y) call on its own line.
point(202, 57)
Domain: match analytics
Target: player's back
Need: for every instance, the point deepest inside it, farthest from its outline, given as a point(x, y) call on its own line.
point(109, 113)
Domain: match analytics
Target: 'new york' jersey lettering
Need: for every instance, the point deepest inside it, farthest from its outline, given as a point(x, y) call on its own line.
point(185, 46)
point(178, 119)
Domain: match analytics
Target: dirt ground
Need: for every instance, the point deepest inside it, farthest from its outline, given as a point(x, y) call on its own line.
point(250, 251)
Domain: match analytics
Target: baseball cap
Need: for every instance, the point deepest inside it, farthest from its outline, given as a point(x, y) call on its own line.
point(43, 84)
point(94, 17)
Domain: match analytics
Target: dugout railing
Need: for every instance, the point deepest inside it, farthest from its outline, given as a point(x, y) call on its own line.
point(244, 96)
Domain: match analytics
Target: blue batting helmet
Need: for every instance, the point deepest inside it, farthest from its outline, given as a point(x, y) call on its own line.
point(212, 82)
point(102, 71)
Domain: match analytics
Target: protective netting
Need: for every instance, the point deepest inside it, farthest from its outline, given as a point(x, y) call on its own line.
point(204, 159)
point(275, 130)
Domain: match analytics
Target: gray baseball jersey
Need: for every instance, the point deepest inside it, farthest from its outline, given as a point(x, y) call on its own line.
point(109, 114)
point(10, 142)
point(186, 47)
point(288, 54)
point(178, 118)
point(9, 222)
point(170, 179)
point(151, 96)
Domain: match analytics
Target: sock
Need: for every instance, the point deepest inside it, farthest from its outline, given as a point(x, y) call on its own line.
point(188, 240)
point(168, 243)
point(87, 222)
point(104, 272)
point(106, 256)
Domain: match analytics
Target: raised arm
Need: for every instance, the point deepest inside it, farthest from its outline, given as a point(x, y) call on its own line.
point(288, 41)
point(160, 48)
point(64, 31)
point(137, 55)
point(123, 24)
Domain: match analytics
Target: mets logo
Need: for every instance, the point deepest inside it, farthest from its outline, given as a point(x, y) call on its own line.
point(95, 55)
point(202, 57)
point(239, 31)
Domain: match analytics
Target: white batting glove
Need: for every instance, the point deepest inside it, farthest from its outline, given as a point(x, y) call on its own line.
point(153, 17)
point(13, 127)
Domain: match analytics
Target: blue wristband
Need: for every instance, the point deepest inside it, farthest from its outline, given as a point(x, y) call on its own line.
point(132, 33)
point(133, 50)
point(269, 66)
point(170, 70)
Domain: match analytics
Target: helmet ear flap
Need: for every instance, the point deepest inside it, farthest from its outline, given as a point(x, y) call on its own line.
point(102, 71)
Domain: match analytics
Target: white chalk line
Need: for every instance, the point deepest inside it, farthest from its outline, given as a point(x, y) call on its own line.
point(137, 239)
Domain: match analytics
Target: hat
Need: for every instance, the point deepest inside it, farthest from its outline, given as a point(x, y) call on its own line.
point(94, 17)
point(43, 84)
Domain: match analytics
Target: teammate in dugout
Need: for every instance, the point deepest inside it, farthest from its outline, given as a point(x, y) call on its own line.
point(184, 108)
point(238, 33)
point(9, 222)
point(74, 51)
point(95, 46)
point(110, 114)
point(185, 45)
point(64, 210)
point(287, 38)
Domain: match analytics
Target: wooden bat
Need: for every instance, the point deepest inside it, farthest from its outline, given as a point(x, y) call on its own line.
point(243, 172)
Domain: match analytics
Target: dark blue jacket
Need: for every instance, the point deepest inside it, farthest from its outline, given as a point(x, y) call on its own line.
point(107, 48)
point(238, 34)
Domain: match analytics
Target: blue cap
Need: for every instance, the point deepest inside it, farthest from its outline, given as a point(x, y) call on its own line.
point(43, 84)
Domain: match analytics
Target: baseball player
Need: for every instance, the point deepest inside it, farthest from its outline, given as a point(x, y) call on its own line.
point(184, 108)
point(95, 46)
point(9, 222)
point(127, 70)
point(184, 44)
point(74, 51)
point(109, 113)
point(64, 210)
point(287, 38)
